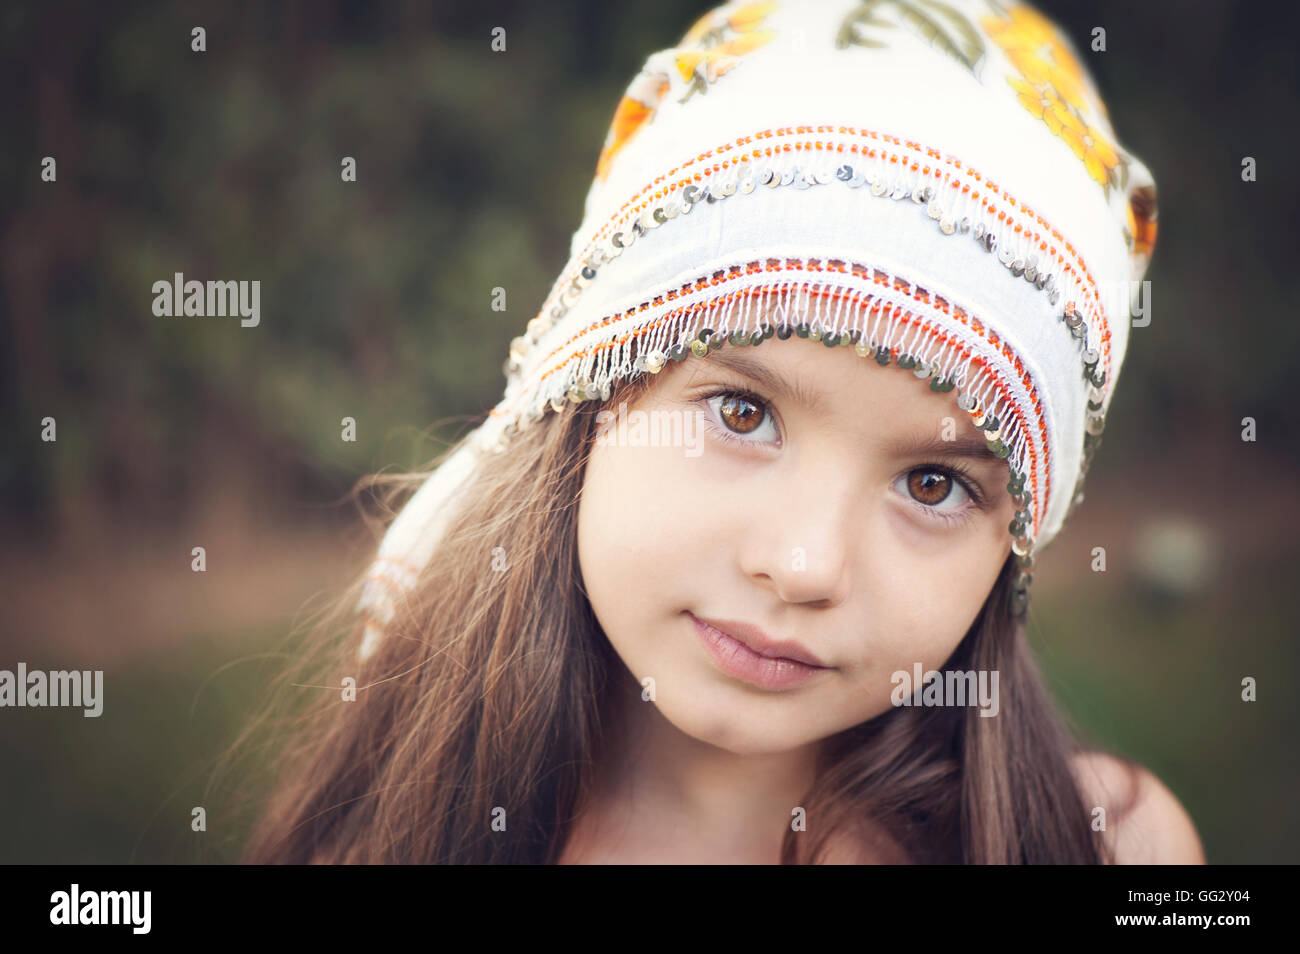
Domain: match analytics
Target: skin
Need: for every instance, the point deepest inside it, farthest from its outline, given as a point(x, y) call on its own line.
point(711, 769)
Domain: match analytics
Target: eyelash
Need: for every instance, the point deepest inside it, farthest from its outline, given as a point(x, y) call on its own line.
point(956, 472)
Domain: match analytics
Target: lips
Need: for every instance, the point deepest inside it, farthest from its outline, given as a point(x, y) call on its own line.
point(757, 640)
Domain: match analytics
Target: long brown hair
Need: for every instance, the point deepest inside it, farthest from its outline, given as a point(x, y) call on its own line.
point(489, 695)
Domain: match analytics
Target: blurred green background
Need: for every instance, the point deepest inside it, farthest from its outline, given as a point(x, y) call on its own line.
point(472, 168)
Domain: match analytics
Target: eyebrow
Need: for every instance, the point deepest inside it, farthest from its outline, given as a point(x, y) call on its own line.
point(795, 391)
point(969, 447)
point(974, 448)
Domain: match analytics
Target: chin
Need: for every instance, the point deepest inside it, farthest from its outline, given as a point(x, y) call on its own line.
point(729, 731)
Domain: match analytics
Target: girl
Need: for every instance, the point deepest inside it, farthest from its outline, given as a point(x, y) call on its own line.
point(738, 568)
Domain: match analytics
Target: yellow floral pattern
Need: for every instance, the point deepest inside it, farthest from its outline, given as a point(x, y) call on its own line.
point(709, 48)
point(634, 109)
point(1052, 85)
point(1048, 80)
point(712, 46)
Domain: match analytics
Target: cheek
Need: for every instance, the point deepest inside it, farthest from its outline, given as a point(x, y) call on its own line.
point(938, 578)
point(944, 597)
point(920, 606)
point(632, 531)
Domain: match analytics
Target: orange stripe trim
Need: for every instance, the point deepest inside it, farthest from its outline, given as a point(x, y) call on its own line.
point(638, 204)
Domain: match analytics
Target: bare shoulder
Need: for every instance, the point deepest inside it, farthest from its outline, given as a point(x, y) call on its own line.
point(1145, 822)
point(869, 844)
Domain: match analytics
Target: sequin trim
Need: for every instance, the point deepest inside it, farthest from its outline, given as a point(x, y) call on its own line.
point(958, 205)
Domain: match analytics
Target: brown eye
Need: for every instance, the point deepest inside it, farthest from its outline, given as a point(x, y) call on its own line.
point(929, 487)
point(740, 418)
point(740, 414)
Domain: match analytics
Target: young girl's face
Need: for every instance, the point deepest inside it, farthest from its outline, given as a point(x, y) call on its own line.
point(803, 492)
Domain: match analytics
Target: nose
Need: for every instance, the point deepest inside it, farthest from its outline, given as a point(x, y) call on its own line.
point(805, 553)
